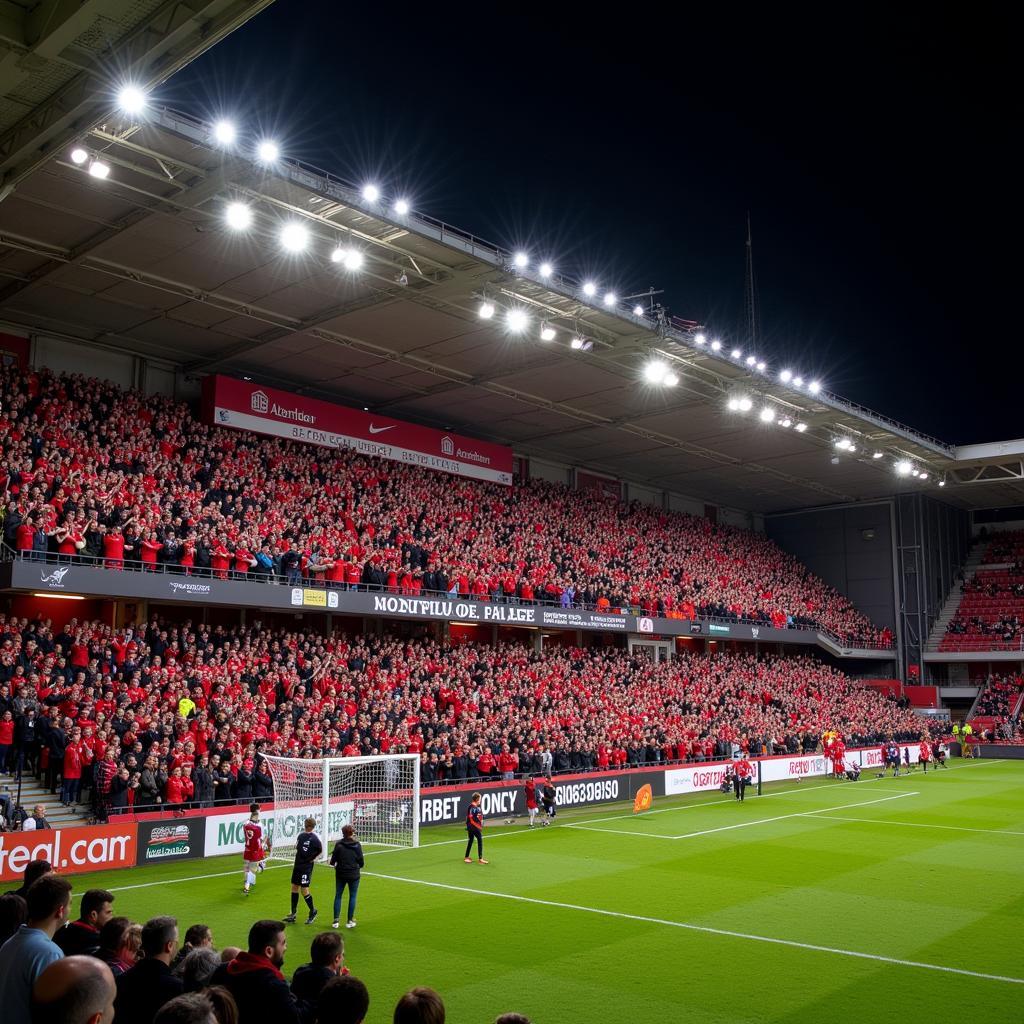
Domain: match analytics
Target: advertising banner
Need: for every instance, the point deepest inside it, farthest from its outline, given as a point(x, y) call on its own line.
point(247, 406)
point(70, 850)
point(224, 831)
point(171, 839)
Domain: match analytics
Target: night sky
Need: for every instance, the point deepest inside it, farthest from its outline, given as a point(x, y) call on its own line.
point(878, 160)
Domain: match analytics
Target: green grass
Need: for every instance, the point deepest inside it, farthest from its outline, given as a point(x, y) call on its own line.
point(946, 897)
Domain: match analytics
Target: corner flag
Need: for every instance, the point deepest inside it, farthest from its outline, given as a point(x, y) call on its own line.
point(644, 799)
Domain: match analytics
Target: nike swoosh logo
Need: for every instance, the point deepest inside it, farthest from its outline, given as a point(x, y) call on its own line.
point(380, 430)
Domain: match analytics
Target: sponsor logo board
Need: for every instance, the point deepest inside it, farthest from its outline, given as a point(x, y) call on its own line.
point(173, 839)
point(71, 850)
point(224, 831)
point(55, 578)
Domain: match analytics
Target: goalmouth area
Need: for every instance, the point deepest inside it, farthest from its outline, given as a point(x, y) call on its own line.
point(823, 900)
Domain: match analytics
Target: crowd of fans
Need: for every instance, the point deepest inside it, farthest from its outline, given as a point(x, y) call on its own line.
point(111, 476)
point(177, 716)
point(1005, 547)
point(996, 710)
point(101, 967)
point(990, 615)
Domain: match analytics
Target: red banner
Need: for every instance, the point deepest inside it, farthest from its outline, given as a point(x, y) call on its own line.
point(247, 406)
point(70, 850)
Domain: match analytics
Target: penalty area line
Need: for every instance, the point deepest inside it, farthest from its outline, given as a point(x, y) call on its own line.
point(704, 929)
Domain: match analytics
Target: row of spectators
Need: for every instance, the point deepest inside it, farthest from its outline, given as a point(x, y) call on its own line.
point(100, 967)
point(1004, 547)
point(173, 716)
point(95, 472)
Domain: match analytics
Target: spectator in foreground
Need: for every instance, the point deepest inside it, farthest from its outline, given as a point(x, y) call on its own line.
point(343, 1000)
point(31, 949)
point(254, 978)
point(327, 957)
point(198, 936)
point(190, 1008)
point(142, 990)
point(33, 872)
point(74, 990)
point(114, 946)
point(419, 1006)
point(197, 968)
point(13, 914)
point(83, 935)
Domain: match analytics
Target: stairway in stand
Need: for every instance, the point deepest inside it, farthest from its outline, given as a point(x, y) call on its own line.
point(34, 792)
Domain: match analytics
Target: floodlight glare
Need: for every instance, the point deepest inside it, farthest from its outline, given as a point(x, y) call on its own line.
point(131, 99)
point(225, 133)
point(915, 472)
point(576, 343)
point(716, 346)
point(751, 360)
point(746, 404)
point(798, 382)
point(638, 310)
point(903, 467)
point(546, 270)
point(654, 371)
point(736, 353)
point(486, 310)
point(268, 151)
point(401, 207)
point(238, 216)
point(761, 367)
point(767, 414)
point(814, 387)
point(699, 339)
point(521, 260)
point(787, 422)
point(877, 455)
point(547, 332)
point(371, 193)
point(517, 320)
point(590, 289)
point(294, 237)
point(79, 155)
point(841, 443)
point(942, 483)
point(352, 260)
point(733, 404)
point(924, 476)
point(337, 254)
point(800, 428)
point(786, 376)
point(98, 169)
point(671, 380)
point(610, 298)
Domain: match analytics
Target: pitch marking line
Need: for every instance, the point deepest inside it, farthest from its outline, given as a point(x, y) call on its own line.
point(745, 824)
point(921, 824)
point(707, 930)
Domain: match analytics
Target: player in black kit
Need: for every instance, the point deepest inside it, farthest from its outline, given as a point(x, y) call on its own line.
point(307, 849)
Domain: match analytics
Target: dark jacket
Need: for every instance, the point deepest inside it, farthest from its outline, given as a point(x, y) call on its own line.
point(143, 990)
point(308, 982)
point(259, 989)
point(77, 937)
point(347, 859)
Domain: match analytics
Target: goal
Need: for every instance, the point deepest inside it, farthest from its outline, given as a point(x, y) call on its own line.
point(378, 795)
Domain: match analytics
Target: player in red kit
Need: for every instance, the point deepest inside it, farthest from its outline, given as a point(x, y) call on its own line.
point(838, 756)
point(255, 853)
point(531, 800)
point(741, 772)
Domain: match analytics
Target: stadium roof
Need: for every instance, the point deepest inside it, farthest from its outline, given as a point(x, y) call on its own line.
point(143, 261)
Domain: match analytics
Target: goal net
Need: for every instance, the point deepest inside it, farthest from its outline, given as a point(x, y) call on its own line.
point(379, 796)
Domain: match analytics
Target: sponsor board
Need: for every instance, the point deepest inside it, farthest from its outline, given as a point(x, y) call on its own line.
point(462, 611)
point(715, 627)
point(179, 589)
point(224, 831)
point(314, 598)
point(55, 578)
point(171, 839)
point(568, 619)
point(71, 851)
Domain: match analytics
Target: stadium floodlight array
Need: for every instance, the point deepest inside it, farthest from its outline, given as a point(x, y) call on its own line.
point(378, 795)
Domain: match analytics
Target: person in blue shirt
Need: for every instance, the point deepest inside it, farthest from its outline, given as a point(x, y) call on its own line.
point(31, 949)
point(475, 829)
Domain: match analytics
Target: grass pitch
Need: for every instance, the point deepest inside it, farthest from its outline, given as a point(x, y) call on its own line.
point(823, 901)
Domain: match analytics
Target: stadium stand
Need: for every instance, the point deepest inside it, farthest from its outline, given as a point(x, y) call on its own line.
point(989, 615)
point(171, 716)
point(996, 711)
point(95, 473)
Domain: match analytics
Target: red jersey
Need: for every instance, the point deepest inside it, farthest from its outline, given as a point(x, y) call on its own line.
point(253, 831)
point(531, 794)
point(742, 768)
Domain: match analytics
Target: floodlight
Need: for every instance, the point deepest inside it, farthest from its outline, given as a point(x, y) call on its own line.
point(294, 237)
point(942, 483)
point(517, 320)
point(761, 367)
point(610, 298)
point(79, 155)
point(751, 360)
point(638, 310)
point(736, 353)
point(546, 270)
point(547, 332)
point(352, 260)
point(767, 414)
point(225, 133)
point(521, 260)
point(98, 169)
point(654, 371)
point(337, 254)
point(903, 467)
point(786, 422)
point(924, 476)
point(814, 387)
point(699, 339)
point(576, 343)
point(268, 151)
point(733, 404)
point(800, 428)
point(716, 346)
point(371, 193)
point(590, 289)
point(486, 310)
point(915, 472)
point(401, 207)
point(131, 99)
point(877, 455)
point(238, 216)
point(670, 380)
point(786, 376)
point(746, 404)
point(798, 382)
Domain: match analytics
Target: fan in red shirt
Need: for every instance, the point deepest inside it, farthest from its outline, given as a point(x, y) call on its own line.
point(254, 854)
point(741, 773)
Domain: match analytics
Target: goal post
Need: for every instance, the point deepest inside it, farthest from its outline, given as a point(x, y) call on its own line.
point(378, 795)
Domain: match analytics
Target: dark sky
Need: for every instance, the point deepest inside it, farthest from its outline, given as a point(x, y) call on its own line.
point(877, 159)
